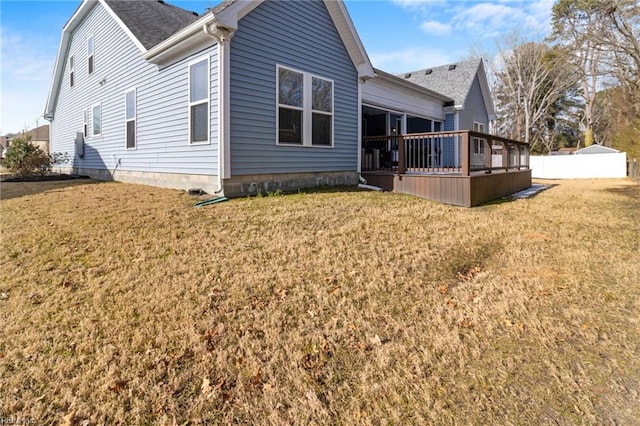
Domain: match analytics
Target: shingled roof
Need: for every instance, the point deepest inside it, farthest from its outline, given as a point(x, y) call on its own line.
point(453, 80)
point(151, 21)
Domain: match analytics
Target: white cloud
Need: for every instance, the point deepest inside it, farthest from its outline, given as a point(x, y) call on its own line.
point(435, 28)
point(410, 59)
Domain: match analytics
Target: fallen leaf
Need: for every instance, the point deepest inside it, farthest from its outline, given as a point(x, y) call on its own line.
point(118, 385)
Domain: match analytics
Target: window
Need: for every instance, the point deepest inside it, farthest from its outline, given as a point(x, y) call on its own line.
point(290, 106)
point(199, 101)
point(90, 54)
point(305, 109)
point(71, 65)
point(85, 125)
point(478, 143)
point(321, 112)
point(96, 120)
point(130, 118)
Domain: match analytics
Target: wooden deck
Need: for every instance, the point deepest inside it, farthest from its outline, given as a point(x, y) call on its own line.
point(479, 167)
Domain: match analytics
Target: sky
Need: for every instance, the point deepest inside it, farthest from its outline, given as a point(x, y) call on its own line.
point(398, 35)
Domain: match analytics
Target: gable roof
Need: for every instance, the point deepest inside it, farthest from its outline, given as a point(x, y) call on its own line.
point(151, 21)
point(454, 80)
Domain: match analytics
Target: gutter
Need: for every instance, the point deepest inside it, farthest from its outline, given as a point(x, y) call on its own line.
point(156, 51)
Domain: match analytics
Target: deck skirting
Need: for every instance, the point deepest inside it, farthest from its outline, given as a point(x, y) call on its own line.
point(455, 189)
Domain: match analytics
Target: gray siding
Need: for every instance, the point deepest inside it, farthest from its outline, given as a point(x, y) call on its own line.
point(474, 108)
point(448, 152)
point(300, 35)
point(162, 105)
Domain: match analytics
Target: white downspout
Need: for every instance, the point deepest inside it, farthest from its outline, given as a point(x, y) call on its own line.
point(222, 36)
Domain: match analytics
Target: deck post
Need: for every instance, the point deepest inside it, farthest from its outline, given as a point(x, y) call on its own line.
point(488, 143)
point(401, 162)
point(464, 137)
point(505, 155)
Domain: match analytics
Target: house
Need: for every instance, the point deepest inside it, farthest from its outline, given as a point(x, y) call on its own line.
point(250, 96)
point(39, 137)
point(230, 101)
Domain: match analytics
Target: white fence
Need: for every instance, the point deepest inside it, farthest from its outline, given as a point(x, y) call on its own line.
point(579, 166)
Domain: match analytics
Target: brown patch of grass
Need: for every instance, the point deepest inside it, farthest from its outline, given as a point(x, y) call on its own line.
point(124, 304)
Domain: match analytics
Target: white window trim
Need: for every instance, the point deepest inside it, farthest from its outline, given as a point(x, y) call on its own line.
point(207, 100)
point(134, 119)
point(91, 122)
point(92, 55)
point(72, 65)
point(307, 109)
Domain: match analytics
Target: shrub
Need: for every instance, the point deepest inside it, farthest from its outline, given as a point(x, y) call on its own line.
point(26, 159)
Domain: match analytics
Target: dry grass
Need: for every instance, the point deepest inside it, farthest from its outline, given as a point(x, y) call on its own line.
point(123, 304)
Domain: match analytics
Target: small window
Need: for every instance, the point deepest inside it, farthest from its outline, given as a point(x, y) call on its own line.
point(130, 118)
point(199, 102)
point(305, 109)
point(85, 125)
point(71, 69)
point(96, 120)
point(90, 54)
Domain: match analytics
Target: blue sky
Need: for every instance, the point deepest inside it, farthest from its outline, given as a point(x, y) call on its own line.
point(399, 35)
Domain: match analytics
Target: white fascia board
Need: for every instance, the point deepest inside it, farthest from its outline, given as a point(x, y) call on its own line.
point(166, 49)
point(350, 38)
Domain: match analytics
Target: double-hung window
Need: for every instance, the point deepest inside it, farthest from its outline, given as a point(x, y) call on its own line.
point(96, 120)
point(90, 54)
point(478, 143)
point(71, 71)
point(305, 109)
point(130, 118)
point(199, 101)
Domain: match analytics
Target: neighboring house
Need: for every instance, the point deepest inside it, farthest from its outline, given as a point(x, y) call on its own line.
point(471, 107)
point(252, 95)
point(39, 137)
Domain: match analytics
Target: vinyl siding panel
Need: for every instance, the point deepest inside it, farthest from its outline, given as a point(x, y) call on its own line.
point(474, 108)
point(162, 105)
point(302, 36)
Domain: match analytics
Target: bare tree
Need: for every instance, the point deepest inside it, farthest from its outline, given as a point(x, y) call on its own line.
point(530, 84)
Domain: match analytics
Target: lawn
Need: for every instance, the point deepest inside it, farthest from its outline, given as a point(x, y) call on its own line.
point(123, 304)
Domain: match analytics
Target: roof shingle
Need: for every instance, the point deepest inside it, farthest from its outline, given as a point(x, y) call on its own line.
point(151, 21)
point(453, 80)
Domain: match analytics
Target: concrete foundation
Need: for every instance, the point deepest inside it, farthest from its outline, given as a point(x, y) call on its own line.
point(239, 186)
point(208, 183)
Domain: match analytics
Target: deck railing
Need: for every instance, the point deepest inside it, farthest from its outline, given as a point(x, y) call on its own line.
point(460, 152)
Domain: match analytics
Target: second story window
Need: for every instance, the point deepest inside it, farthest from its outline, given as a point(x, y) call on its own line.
point(90, 54)
point(71, 69)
